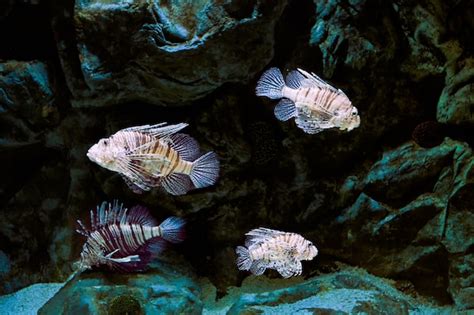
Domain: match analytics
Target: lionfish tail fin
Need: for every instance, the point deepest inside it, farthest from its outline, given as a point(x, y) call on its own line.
point(205, 170)
point(243, 258)
point(172, 229)
point(271, 84)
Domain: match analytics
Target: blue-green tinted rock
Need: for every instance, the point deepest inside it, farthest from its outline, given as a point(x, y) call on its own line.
point(165, 290)
point(167, 52)
point(27, 91)
point(344, 292)
point(29, 300)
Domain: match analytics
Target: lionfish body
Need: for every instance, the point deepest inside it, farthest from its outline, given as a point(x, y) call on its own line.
point(156, 156)
point(274, 249)
point(313, 103)
point(126, 240)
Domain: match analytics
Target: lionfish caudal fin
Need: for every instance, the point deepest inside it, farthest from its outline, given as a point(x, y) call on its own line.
point(271, 84)
point(258, 267)
point(172, 230)
point(205, 170)
point(243, 258)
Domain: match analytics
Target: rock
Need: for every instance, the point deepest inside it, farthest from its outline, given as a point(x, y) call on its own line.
point(170, 52)
point(29, 300)
point(166, 289)
point(345, 292)
point(418, 240)
point(27, 91)
point(343, 43)
point(461, 281)
point(455, 105)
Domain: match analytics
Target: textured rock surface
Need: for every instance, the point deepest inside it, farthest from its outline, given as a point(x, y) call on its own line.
point(349, 291)
point(167, 289)
point(426, 239)
point(167, 52)
point(370, 197)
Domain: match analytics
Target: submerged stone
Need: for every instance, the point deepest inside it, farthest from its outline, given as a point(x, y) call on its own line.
point(168, 289)
point(166, 52)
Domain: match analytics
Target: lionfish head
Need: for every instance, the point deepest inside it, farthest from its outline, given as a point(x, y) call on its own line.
point(103, 153)
point(351, 120)
point(309, 251)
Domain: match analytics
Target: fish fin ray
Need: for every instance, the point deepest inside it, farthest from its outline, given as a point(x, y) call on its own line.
point(285, 109)
point(172, 229)
point(295, 80)
point(309, 125)
point(186, 146)
point(160, 130)
point(205, 170)
point(258, 267)
point(138, 215)
point(260, 235)
point(244, 262)
point(176, 184)
point(133, 187)
point(271, 84)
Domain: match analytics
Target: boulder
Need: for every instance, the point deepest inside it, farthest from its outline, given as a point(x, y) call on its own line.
point(165, 52)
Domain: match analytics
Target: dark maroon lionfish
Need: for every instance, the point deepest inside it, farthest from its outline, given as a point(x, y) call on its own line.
point(126, 240)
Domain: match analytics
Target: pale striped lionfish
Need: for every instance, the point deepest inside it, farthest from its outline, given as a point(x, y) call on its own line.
point(156, 156)
point(274, 249)
point(313, 103)
point(124, 239)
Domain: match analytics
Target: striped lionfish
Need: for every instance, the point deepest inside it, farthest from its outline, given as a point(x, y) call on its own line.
point(273, 249)
point(156, 156)
point(125, 240)
point(315, 104)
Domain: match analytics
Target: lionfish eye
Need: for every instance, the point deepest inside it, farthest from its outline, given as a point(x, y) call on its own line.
point(106, 142)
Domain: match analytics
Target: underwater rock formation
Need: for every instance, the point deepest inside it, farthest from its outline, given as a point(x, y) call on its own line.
point(165, 290)
point(166, 52)
point(406, 222)
point(369, 197)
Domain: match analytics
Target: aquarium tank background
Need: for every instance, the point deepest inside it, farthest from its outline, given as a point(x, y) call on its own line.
point(389, 205)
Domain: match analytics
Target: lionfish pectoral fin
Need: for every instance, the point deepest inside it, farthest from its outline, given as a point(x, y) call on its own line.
point(176, 184)
point(128, 259)
point(285, 109)
point(308, 125)
point(186, 146)
point(258, 267)
point(156, 246)
point(133, 187)
point(244, 261)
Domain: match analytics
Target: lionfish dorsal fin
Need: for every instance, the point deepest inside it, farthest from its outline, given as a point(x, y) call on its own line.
point(138, 215)
point(186, 146)
point(160, 130)
point(107, 213)
point(261, 235)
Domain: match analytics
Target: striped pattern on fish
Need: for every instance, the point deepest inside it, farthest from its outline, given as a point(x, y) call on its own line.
point(156, 156)
point(282, 251)
point(125, 240)
point(313, 103)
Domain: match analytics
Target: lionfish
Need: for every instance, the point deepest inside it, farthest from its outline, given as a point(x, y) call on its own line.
point(313, 103)
point(274, 249)
point(125, 240)
point(156, 156)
